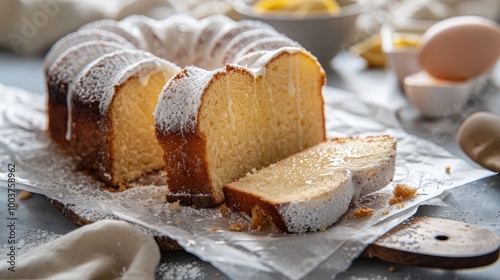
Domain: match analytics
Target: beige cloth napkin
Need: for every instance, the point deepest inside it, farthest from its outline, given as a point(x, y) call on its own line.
point(107, 249)
point(479, 138)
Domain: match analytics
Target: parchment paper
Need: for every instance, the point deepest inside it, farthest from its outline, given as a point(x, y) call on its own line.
point(41, 168)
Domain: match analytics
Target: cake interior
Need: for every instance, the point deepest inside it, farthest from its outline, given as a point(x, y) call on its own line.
point(252, 122)
point(314, 171)
point(304, 176)
point(134, 148)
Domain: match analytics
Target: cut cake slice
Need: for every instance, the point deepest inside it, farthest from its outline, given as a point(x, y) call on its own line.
point(312, 189)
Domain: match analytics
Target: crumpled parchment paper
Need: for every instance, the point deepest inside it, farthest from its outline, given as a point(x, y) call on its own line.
point(41, 168)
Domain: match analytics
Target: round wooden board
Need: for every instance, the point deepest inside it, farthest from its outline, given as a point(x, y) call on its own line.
point(437, 243)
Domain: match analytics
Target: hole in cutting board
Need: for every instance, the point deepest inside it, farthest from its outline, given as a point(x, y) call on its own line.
point(441, 237)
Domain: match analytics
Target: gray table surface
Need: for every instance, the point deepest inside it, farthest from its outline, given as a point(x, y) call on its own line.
point(477, 203)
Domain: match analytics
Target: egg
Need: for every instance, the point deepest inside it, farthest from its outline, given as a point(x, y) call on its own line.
point(460, 48)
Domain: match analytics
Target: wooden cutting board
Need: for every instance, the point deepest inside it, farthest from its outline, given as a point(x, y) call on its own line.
point(420, 241)
point(436, 243)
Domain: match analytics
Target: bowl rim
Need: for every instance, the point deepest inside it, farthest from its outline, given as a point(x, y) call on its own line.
point(411, 81)
point(243, 8)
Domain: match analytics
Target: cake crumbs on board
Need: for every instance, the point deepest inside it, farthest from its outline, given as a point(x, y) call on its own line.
point(237, 227)
point(402, 192)
point(448, 169)
point(175, 206)
point(224, 209)
point(392, 269)
point(24, 195)
point(362, 211)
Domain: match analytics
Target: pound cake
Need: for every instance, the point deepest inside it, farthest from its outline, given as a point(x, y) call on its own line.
point(312, 189)
point(249, 97)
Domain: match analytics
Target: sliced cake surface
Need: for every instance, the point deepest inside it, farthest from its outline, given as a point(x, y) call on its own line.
point(313, 189)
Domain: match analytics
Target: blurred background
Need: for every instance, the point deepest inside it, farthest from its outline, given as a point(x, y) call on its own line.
point(30, 27)
point(347, 36)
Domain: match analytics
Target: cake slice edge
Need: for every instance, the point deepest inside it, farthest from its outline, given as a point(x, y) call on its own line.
point(323, 208)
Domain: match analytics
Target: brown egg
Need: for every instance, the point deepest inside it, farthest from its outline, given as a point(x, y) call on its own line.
point(460, 48)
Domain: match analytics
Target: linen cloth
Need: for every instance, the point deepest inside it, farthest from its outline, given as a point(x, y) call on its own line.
point(107, 249)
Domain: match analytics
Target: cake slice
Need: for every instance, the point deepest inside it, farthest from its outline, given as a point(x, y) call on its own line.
point(312, 189)
point(111, 124)
point(216, 126)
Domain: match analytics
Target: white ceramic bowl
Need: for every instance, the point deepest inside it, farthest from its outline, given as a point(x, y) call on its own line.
point(437, 98)
point(401, 60)
point(323, 34)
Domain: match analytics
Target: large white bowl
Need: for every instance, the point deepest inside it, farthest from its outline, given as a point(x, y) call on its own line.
point(322, 33)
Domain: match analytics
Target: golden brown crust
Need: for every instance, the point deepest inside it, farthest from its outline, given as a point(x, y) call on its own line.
point(57, 113)
point(189, 183)
point(247, 201)
point(90, 144)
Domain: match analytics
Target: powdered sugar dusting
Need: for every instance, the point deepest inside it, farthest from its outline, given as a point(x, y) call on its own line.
point(29, 241)
point(122, 29)
point(203, 36)
point(73, 60)
point(225, 36)
point(177, 109)
point(81, 36)
point(255, 62)
point(92, 87)
point(145, 68)
point(70, 64)
point(187, 271)
point(319, 211)
point(180, 29)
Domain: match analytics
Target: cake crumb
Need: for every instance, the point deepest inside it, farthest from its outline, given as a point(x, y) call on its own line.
point(175, 206)
point(237, 227)
point(322, 228)
point(363, 211)
point(448, 169)
point(214, 229)
point(24, 195)
point(258, 218)
point(217, 274)
point(341, 140)
point(224, 209)
point(402, 192)
point(194, 206)
point(123, 186)
point(392, 269)
point(386, 211)
point(395, 200)
point(399, 206)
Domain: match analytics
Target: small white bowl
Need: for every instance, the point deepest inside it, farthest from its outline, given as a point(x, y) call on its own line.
point(322, 33)
point(437, 98)
point(402, 60)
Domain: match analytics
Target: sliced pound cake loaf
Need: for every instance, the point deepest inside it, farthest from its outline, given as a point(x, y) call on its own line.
point(313, 189)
